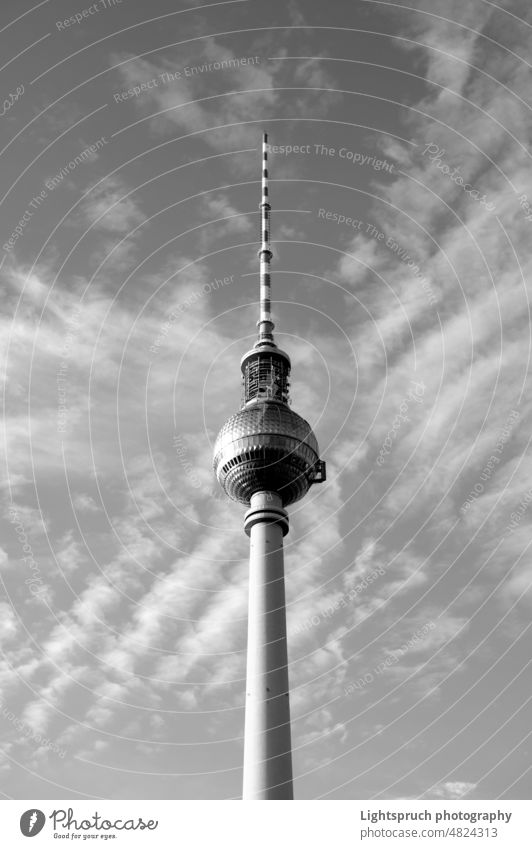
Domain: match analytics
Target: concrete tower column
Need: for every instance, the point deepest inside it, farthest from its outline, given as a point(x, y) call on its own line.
point(267, 739)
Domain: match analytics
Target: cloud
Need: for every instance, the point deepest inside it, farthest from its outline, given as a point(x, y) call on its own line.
point(450, 41)
point(454, 789)
point(233, 223)
point(85, 503)
point(5, 562)
point(213, 87)
point(8, 623)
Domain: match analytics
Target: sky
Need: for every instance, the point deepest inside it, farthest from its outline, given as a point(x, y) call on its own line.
point(401, 190)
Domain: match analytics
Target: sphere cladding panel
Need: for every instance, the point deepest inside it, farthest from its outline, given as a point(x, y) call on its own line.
point(266, 417)
point(265, 447)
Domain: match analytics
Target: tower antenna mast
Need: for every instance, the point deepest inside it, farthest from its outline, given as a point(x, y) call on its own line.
point(265, 322)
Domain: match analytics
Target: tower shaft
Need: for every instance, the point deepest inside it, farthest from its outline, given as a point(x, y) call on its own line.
point(267, 738)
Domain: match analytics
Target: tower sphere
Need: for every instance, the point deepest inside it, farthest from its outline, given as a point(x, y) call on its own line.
point(266, 447)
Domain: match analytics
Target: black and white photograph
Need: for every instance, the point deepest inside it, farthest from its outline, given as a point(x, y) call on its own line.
point(266, 489)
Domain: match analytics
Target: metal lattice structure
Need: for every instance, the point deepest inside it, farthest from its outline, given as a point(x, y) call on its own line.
point(265, 378)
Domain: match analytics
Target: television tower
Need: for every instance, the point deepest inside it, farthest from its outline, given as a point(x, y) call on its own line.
point(266, 456)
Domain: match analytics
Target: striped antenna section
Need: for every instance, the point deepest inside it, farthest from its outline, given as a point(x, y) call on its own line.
point(265, 323)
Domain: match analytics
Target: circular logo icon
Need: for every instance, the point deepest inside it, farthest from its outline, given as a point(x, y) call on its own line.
point(32, 822)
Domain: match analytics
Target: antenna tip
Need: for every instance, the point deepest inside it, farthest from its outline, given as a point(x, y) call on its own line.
point(265, 138)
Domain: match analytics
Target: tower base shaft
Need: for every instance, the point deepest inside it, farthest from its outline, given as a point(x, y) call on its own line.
point(267, 739)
